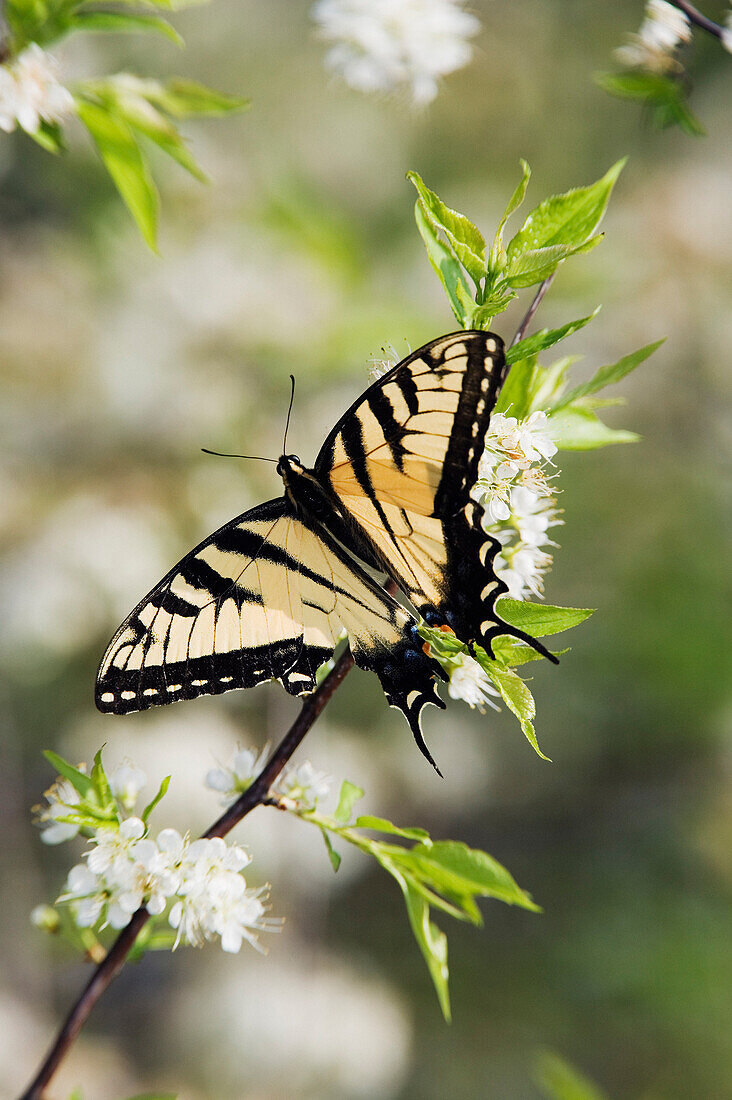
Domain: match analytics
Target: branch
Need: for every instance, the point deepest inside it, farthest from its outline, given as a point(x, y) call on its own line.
point(256, 794)
point(529, 315)
point(695, 16)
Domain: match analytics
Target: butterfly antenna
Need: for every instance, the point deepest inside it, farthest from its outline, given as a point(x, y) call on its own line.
point(222, 454)
point(289, 411)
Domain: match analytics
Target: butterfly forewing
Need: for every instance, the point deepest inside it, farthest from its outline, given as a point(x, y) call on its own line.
point(402, 463)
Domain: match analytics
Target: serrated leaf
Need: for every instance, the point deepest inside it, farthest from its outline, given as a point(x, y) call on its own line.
point(566, 219)
point(540, 341)
point(432, 942)
point(519, 701)
point(80, 781)
point(540, 619)
point(349, 796)
point(561, 1081)
point(125, 163)
point(482, 315)
point(161, 792)
point(534, 265)
point(497, 258)
point(118, 22)
point(464, 238)
point(333, 856)
point(452, 865)
point(382, 825)
point(444, 264)
point(607, 376)
point(577, 429)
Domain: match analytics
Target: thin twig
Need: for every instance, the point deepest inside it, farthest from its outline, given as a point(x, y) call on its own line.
point(529, 315)
point(695, 16)
point(257, 793)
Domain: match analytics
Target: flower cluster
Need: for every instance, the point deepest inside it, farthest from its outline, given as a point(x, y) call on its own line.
point(126, 869)
point(299, 787)
point(385, 45)
point(470, 683)
point(30, 92)
point(519, 503)
point(664, 28)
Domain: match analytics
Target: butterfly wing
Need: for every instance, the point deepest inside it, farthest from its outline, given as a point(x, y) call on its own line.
point(401, 464)
point(265, 597)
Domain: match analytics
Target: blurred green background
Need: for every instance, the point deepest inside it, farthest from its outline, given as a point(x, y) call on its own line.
point(302, 256)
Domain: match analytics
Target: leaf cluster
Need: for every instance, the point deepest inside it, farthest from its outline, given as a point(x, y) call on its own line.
point(481, 283)
point(445, 875)
point(665, 97)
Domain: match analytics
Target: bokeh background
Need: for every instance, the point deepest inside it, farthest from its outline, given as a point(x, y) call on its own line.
point(302, 256)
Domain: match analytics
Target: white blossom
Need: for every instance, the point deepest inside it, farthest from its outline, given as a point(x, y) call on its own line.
point(30, 92)
point(469, 682)
point(385, 45)
point(237, 778)
point(302, 786)
point(126, 782)
point(664, 28)
point(61, 797)
point(726, 36)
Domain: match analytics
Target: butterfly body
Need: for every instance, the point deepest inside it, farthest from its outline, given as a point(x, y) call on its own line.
point(269, 594)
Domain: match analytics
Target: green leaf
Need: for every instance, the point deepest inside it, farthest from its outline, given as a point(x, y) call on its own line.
point(666, 96)
point(162, 791)
point(444, 264)
point(607, 376)
point(540, 619)
point(118, 22)
point(534, 265)
point(561, 1081)
point(126, 165)
point(49, 136)
point(432, 942)
point(548, 383)
point(81, 782)
point(568, 219)
point(540, 341)
point(482, 315)
point(333, 856)
point(349, 796)
point(453, 867)
point(465, 240)
point(515, 396)
point(382, 825)
point(101, 783)
point(186, 97)
point(517, 698)
point(497, 258)
point(578, 429)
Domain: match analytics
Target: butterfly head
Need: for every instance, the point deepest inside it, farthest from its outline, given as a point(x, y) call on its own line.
point(289, 465)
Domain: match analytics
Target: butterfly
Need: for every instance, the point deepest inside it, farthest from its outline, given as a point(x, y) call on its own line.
point(268, 595)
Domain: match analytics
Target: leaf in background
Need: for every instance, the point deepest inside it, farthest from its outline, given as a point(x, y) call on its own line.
point(568, 219)
point(444, 263)
point(126, 165)
point(497, 257)
point(607, 376)
point(464, 238)
point(452, 867)
point(349, 796)
point(333, 856)
point(80, 781)
point(185, 97)
point(119, 22)
point(561, 1081)
point(540, 341)
point(578, 429)
point(667, 97)
point(549, 383)
point(540, 619)
point(49, 136)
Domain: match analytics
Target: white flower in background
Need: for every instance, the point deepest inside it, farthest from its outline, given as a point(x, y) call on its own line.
point(470, 683)
point(237, 778)
point(302, 786)
point(382, 364)
point(30, 92)
point(385, 45)
point(61, 797)
point(126, 782)
point(664, 28)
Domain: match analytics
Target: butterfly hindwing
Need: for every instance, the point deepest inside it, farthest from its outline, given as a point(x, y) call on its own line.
point(402, 462)
point(265, 597)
